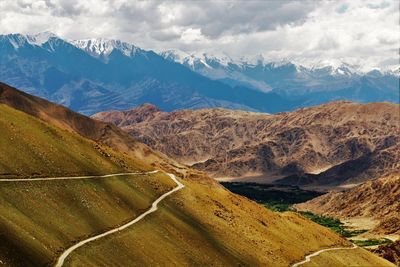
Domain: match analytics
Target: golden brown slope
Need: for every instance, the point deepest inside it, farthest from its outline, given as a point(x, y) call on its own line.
point(31, 147)
point(378, 200)
point(100, 132)
point(206, 226)
point(38, 220)
point(363, 138)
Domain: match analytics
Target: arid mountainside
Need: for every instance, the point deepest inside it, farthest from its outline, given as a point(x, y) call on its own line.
point(102, 133)
point(202, 224)
point(333, 144)
point(390, 252)
point(378, 200)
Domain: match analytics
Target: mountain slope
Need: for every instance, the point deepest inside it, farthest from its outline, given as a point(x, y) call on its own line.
point(328, 145)
point(64, 118)
point(31, 157)
point(201, 224)
point(378, 200)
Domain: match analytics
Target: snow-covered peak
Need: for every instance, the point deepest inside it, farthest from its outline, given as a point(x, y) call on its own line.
point(191, 59)
point(332, 67)
point(40, 38)
point(103, 47)
point(335, 67)
point(221, 60)
point(393, 72)
point(175, 55)
point(16, 40)
point(19, 40)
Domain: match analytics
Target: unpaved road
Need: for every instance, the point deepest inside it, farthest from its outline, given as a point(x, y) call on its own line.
point(153, 208)
point(66, 253)
point(308, 257)
point(74, 177)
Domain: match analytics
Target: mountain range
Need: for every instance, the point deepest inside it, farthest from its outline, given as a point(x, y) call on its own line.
point(93, 75)
point(202, 224)
point(309, 84)
point(347, 148)
point(331, 145)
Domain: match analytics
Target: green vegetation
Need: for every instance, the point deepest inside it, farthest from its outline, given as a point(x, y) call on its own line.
point(204, 225)
point(281, 198)
point(278, 206)
point(372, 242)
point(274, 197)
point(332, 223)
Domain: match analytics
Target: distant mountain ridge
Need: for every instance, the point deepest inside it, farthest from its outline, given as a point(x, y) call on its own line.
point(92, 75)
point(330, 145)
point(292, 79)
point(108, 74)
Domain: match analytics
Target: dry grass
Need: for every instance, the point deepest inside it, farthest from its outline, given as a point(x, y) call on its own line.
point(205, 225)
point(345, 258)
point(31, 147)
point(40, 219)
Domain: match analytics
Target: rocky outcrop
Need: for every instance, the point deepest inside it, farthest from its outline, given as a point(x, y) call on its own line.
point(332, 144)
point(378, 199)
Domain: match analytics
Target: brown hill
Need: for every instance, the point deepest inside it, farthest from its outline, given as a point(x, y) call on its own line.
point(390, 252)
point(353, 142)
point(100, 132)
point(378, 200)
point(202, 224)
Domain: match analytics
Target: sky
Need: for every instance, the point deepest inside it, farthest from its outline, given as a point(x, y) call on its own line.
point(366, 33)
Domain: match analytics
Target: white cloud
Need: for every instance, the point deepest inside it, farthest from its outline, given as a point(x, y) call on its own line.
point(364, 32)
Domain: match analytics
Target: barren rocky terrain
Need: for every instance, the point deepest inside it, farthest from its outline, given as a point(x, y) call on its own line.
point(336, 144)
point(377, 199)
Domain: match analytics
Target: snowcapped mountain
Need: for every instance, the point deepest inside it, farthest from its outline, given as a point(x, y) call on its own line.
point(101, 47)
point(96, 47)
point(332, 67)
point(20, 40)
point(92, 75)
point(286, 77)
point(97, 74)
point(197, 61)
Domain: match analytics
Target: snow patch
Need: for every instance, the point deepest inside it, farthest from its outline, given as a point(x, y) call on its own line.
point(103, 47)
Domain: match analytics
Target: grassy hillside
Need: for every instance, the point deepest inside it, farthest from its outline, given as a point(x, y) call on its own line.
point(40, 219)
point(356, 257)
point(31, 147)
point(204, 226)
point(99, 132)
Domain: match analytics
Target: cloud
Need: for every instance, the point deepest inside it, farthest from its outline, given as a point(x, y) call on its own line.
point(359, 31)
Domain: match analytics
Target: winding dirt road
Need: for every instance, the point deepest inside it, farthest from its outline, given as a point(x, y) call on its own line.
point(74, 177)
point(153, 208)
point(308, 257)
point(66, 253)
